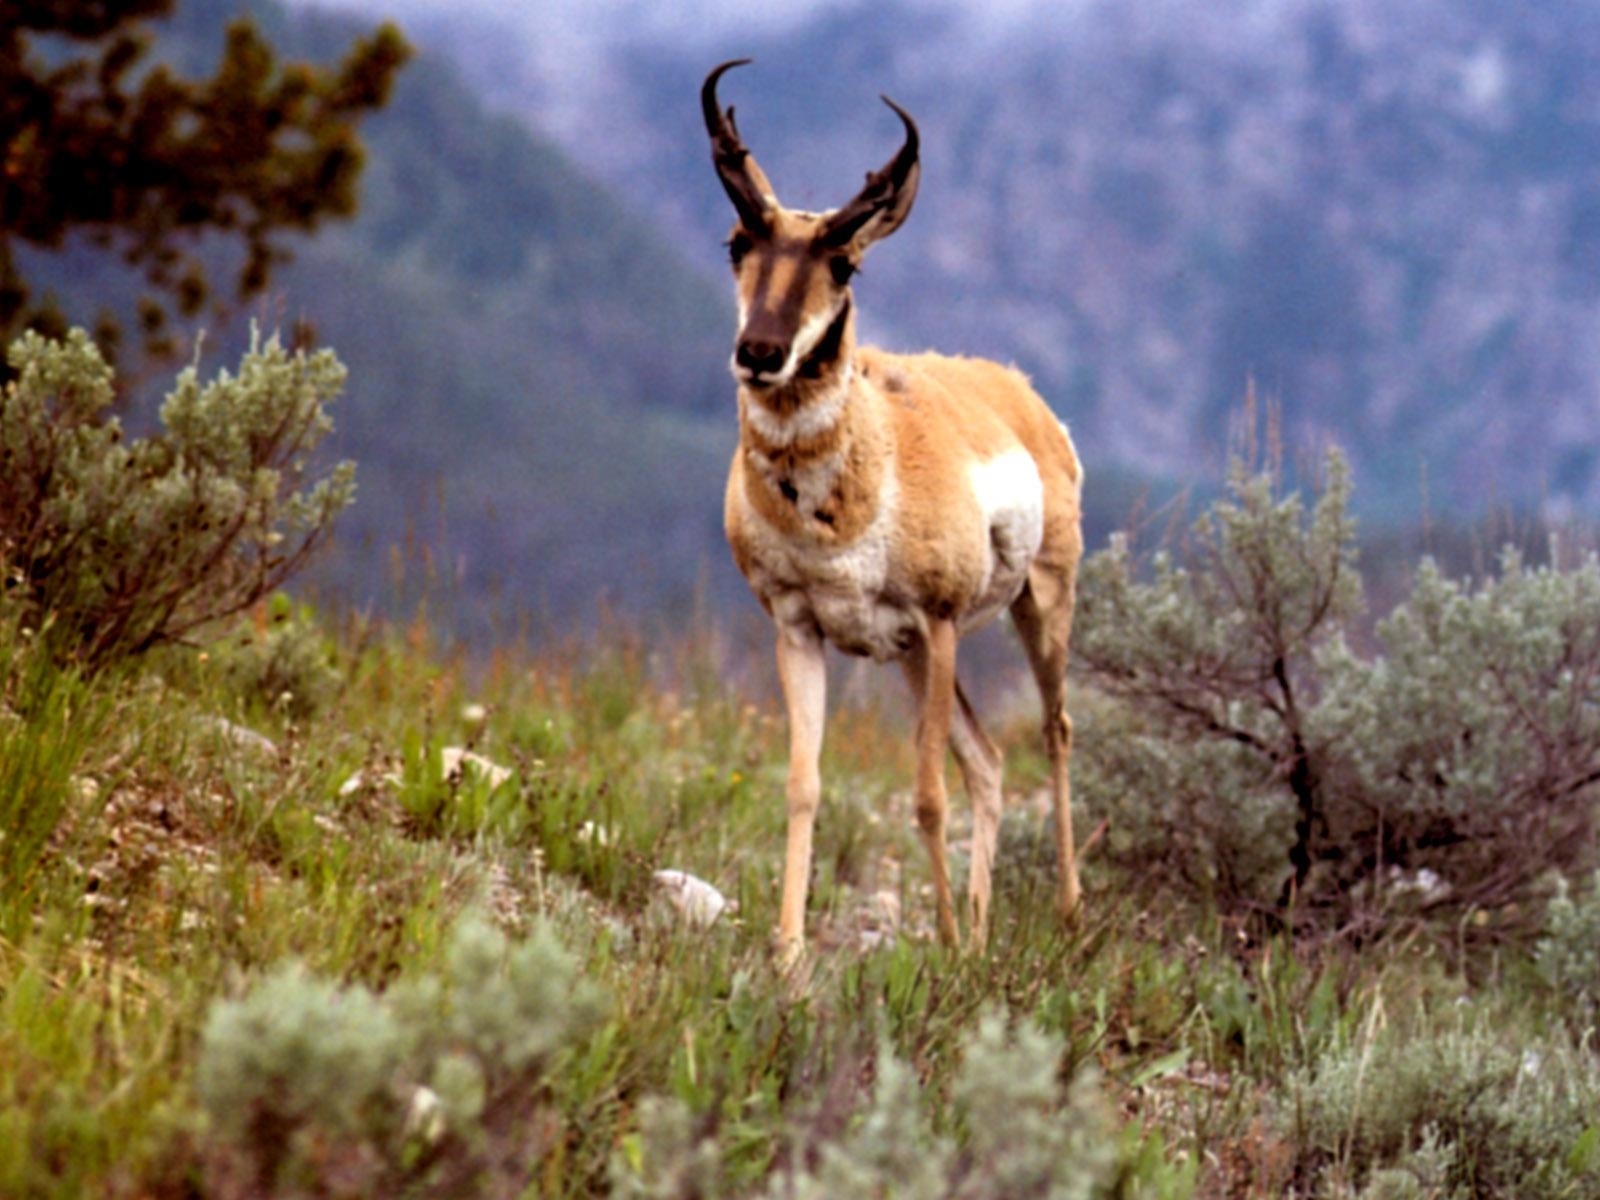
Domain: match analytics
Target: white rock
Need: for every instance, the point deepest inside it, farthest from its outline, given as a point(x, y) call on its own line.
point(425, 1116)
point(359, 780)
point(454, 762)
point(1425, 884)
point(239, 735)
point(457, 759)
point(696, 900)
point(883, 909)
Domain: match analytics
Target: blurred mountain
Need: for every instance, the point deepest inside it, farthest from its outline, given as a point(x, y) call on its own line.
point(539, 395)
point(538, 399)
point(1388, 217)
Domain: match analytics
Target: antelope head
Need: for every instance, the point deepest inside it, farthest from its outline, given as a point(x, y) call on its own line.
point(793, 268)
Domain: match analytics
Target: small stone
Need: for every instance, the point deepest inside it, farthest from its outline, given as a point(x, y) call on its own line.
point(359, 780)
point(697, 901)
point(240, 736)
point(456, 759)
point(425, 1116)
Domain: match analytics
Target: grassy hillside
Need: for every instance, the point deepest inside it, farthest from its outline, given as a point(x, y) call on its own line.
point(325, 908)
point(494, 997)
point(319, 909)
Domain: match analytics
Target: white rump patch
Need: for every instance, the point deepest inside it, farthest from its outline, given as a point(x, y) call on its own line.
point(1010, 493)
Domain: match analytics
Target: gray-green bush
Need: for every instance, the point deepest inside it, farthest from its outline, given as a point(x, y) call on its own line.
point(430, 1088)
point(1257, 757)
point(1021, 1135)
point(282, 663)
point(1569, 954)
point(1467, 753)
point(1216, 656)
point(300, 1063)
point(116, 545)
point(1459, 1110)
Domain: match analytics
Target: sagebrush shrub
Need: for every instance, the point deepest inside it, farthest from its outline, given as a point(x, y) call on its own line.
point(1217, 654)
point(1569, 954)
point(282, 661)
point(299, 1060)
point(669, 1158)
point(1023, 1136)
point(1205, 815)
point(117, 544)
point(1470, 747)
point(1258, 758)
point(429, 1088)
point(1463, 1107)
point(1026, 1136)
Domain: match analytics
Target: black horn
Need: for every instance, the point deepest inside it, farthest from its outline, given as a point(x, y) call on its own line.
point(743, 180)
point(888, 192)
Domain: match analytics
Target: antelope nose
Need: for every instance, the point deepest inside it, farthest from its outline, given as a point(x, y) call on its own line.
point(759, 357)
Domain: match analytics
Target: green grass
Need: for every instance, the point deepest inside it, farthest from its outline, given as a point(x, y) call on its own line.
point(154, 868)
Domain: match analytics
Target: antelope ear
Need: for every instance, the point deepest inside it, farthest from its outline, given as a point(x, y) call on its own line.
point(743, 180)
point(885, 202)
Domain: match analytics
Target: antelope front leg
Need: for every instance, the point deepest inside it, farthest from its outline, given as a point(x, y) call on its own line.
point(937, 697)
point(802, 669)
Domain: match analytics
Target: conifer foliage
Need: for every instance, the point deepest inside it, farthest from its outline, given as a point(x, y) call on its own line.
point(98, 142)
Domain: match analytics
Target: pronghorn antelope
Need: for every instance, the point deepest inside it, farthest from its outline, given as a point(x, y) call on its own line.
point(888, 504)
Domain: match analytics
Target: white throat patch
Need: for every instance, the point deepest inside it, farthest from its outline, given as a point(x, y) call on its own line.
point(816, 416)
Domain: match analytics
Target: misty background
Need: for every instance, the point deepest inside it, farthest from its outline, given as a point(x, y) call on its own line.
point(1386, 217)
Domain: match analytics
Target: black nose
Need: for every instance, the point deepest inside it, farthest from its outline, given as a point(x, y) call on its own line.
point(760, 358)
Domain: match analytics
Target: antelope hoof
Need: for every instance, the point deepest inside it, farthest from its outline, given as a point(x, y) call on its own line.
point(788, 955)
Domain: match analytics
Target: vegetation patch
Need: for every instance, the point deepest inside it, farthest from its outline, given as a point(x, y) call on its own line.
point(321, 909)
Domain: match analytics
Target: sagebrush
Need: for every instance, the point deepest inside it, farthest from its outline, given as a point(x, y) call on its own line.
point(114, 545)
point(1253, 755)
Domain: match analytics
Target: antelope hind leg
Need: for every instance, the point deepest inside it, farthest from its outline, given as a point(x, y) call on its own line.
point(931, 669)
point(1043, 617)
point(980, 762)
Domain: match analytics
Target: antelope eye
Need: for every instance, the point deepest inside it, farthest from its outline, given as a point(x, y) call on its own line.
point(842, 269)
point(738, 246)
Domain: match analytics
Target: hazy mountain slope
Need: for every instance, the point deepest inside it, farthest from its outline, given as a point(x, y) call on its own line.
point(533, 369)
point(526, 354)
point(1390, 218)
